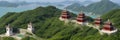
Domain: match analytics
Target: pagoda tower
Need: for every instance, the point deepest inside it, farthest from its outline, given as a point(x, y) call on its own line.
point(98, 22)
point(81, 18)
point(30, 28)
point(108, 28)
point(9, 30)
point(65, 15)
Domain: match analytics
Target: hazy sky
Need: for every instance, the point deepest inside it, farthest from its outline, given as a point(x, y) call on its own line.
point(45, 0)
point(54, 0)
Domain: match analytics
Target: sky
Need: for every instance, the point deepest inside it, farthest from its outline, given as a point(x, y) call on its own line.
point(117, 1)
point(44, 0)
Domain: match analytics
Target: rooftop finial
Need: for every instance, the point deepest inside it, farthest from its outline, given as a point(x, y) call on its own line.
point(108, 20)
point(81, 12)
point(30, 23)
point(8, 25)
point(99, 17)
point(65, 8)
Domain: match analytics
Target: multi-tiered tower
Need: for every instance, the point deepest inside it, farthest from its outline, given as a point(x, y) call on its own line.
point(9, 30)
point(65, 15)
point(30, 27)
point(81, 19)
point(108, 28)
point(98, 22)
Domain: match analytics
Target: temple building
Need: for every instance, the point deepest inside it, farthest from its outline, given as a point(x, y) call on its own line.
point(81, 19)
point(30, 28)
point(108, 28)
point(98, 22)
point(9, 30)
point(65, 15)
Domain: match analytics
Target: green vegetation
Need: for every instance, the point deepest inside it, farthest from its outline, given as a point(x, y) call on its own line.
point(113, 16)
point(7, 38)
point(28, 38)
point(97, 8)
point(47, 25)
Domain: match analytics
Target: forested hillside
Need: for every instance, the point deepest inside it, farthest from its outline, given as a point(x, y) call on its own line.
point(98, 8)
point(114, 16)
point(49, 27)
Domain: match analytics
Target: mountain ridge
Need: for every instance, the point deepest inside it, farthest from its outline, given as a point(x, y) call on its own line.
point(48, 26)
point(97, 8)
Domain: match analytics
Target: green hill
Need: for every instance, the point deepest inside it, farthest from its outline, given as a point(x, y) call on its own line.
point(113, 16)
point(98, 8)
point(47, 25)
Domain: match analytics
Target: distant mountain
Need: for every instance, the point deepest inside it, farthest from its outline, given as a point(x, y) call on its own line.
point(12, 4)
point(75, 6)
point(57, 4)
point(7, 4)
point(74, 3)
point(98, 8)
point(86, 3)
point(63, 4)
point(22, 3)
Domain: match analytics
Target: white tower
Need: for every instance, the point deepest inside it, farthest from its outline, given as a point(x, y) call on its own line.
point(9, 30)
point(30, 28)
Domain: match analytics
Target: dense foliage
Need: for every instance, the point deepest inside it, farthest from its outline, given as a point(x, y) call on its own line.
point(28, 38)
point(98, 8)
point(47, 25)
point(7, 38)
point(113, 16)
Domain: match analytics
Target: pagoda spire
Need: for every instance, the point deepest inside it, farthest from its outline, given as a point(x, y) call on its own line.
point(108, 20)
point(65, 8)
point(81, 11)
